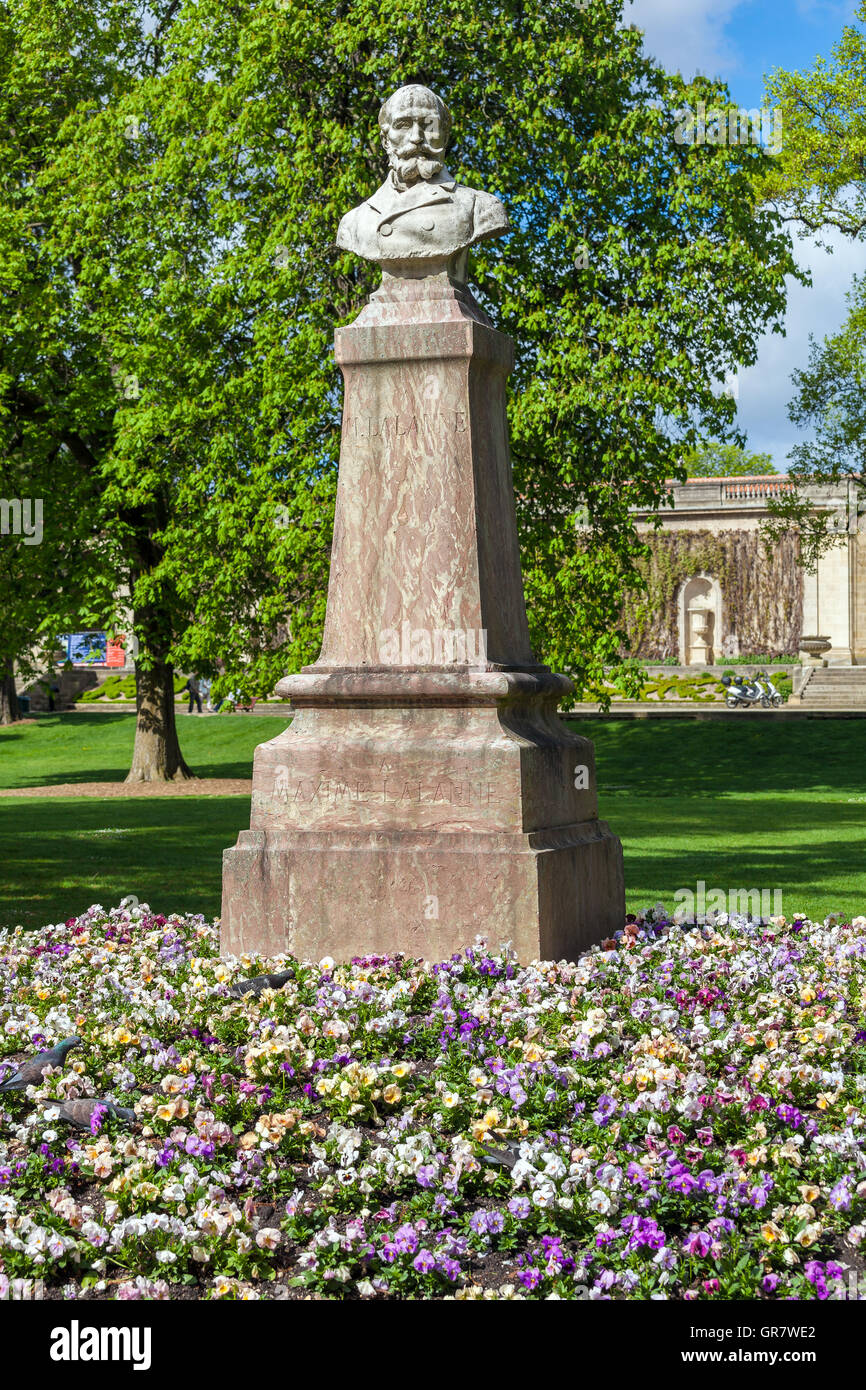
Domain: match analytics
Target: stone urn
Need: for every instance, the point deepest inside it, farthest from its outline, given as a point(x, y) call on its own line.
point(814, 648)
point(700, 644)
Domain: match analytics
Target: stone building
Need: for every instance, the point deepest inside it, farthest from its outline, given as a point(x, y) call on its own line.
point(714, 593)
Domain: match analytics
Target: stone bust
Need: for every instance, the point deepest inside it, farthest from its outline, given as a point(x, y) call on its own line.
point(420, 221)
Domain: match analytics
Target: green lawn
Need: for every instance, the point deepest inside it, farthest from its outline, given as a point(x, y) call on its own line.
point(98, 747)
point(737, 805)
point(57, 856)
point(775, 804)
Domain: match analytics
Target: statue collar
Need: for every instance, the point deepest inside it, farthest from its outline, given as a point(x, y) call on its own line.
point(388, 200)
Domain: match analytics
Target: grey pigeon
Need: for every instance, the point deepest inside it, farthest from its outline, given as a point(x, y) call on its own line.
point(80, 1112)
point(259, 983)
point(30, 1072)
point(505, 1158)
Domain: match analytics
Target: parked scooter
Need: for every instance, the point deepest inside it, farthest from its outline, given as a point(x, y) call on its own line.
point(757, 690)
point(771, 695)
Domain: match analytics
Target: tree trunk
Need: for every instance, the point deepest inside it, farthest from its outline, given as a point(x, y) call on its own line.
point(156, 756)
point(9, 708)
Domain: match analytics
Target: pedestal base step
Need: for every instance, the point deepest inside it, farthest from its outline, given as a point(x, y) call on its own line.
point(550, 893)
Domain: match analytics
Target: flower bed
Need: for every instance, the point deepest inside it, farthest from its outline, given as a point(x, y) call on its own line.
point(705, 688)
point(678, 1116)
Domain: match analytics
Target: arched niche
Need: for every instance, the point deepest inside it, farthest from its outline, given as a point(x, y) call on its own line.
point(699, 614)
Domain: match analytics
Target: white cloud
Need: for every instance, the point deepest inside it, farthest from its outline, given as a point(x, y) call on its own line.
point(687, 36)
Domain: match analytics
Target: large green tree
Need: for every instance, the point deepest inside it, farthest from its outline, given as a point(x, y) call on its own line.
point(189, 212)
point(52, 553)
point(128, 357)
point(639, 273)
point(819, 180)
point(819, 183)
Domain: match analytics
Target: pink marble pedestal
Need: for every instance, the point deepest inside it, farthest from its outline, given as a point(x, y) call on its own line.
point(426, 790)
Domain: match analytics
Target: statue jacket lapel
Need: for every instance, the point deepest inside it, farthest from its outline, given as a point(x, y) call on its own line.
point(388, 203)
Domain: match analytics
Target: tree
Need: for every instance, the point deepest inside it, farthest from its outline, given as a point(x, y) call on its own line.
point(637, 276)
point(714, 460)
point(42, 567)
point(829, 401)
point(121, 353)
point(50, 543)
point(820, 182)
point(191, 208)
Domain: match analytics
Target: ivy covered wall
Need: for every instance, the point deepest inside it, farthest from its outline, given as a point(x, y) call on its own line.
point(762, 594)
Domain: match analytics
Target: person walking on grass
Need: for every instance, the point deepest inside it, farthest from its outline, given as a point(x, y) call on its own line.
point(194, 693)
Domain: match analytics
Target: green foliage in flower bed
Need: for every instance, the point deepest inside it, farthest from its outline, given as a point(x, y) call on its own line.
point(703, 687)
point(118, 687)
point(761, 659)
point(678, 1115)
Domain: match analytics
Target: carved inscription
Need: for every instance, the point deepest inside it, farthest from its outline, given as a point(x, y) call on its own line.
point(398, 426)
point(389, 791)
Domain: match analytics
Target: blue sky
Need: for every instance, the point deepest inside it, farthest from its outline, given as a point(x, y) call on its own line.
point(741, 41)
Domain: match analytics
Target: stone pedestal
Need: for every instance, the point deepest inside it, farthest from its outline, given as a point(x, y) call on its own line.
point(426, 790)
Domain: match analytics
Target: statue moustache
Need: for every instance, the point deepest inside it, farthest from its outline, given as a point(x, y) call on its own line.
point(415, 167)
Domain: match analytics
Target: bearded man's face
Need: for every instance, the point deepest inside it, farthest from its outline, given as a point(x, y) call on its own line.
point(413, 138)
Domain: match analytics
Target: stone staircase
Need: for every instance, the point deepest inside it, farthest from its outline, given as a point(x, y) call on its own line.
point(833, 688)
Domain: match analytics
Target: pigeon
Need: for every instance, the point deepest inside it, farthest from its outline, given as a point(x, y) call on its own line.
point(30, 1072)
point(260, 983)
point(505, 1158)
point(260, 1214)
point(80, 1112)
